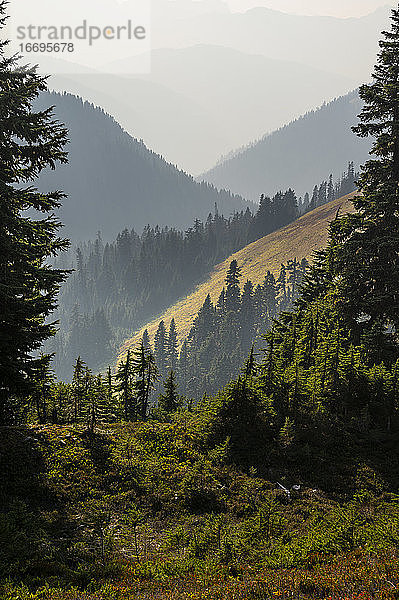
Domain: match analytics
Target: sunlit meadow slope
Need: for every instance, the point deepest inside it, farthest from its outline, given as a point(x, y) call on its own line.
point(299, 239)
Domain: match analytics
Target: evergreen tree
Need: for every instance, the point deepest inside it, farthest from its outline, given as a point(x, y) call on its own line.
point(146, 341)
point(204, 324)
point(60, 402)
point(250, 368)
point(330, 190)
point(173, 354)
point(78, 389)
point(169, 402)
point(221, 303)
point(89, 396)
point(233, 293)
point(365, 245)
point(263, 222)
point(295, 272)
point(289, 209)
point(322, 194)
point(269, 295)
point(30, 142)
point(348, 180)
point(145, 376)
point(247, 316)
point(124, 387)
point(184, 367)
point(161, 348)
point(315, 198)
point(282, 286)
point(110, 387)
point(42, 392)
point(243, 417)
point(96, 410)
point(113, 409)
point(258, 303)
point(81, 274)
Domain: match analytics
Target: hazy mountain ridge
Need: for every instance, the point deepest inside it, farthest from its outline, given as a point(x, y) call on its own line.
point(292, 37)
point(192, 125)
point(304, 151)
point(334, 8)
point(114, 181)
point(191, 108)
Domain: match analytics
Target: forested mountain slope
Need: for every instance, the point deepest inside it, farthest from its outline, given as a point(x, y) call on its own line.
point(297, 155)
point(114, 181)
point(299, 239)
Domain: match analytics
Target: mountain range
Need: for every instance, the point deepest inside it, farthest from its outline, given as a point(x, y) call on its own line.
point(113, 181)
point(202, 101)
point(244, 96)
point(220, 80)
point(299, 155)
point(333, 8)
point(342, 46)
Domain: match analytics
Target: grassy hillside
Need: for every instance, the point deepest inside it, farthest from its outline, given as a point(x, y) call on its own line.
point(301, 239)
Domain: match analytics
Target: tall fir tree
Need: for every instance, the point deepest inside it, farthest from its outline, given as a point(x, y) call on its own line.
point(289, 208)
point(30, 142)
point(184, 367)
point(146, 340)
point(247, 316)
point(322, 194)
point(364, 250)
point(263, 222)
point(233, 294)
point(161, 348)
point(169, 402)
point(113, 408)
point(330, 190)
point(78, 389)
point(269, 290)
point(42, 393)
point(306, 202)
point(221, 303)
point(173, 353)
point(124, 387)
point(145, 377)
point(204, 324)
point(242, 420)
point(315, 198)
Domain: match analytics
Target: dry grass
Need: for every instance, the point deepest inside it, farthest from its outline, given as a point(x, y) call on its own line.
point(301, 239)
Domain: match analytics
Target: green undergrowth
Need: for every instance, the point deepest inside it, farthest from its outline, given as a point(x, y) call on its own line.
point(150, 503)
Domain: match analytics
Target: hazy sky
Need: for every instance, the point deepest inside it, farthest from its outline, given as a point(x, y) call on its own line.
point(339, 8)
